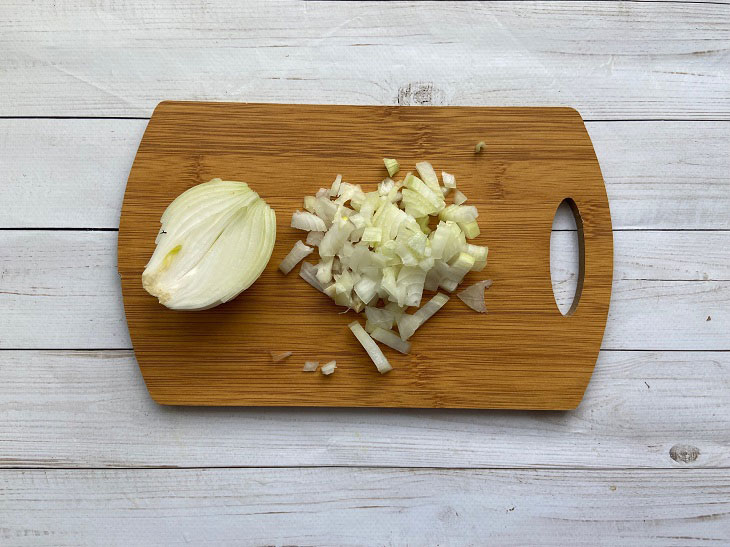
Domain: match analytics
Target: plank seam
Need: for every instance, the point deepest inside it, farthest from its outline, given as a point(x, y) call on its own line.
point(586, 120)
point(344, 466)
point(602, 349)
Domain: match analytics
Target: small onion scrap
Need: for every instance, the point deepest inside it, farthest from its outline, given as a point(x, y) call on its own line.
point(474, 296)
point(277, 356)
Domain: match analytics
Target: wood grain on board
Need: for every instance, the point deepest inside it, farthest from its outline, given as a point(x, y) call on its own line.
point(659, 175)
point(523, 354)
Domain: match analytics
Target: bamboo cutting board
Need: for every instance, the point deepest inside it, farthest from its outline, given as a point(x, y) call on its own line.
point(523, 354)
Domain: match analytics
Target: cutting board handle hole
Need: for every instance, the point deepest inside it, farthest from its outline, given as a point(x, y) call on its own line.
point(567, 260)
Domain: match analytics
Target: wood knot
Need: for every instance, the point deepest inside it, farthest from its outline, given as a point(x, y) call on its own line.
point(684, 453)
point(419, 94)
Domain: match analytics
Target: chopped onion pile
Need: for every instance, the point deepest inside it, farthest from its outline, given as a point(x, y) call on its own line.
point(379, 246)
point(215, 241)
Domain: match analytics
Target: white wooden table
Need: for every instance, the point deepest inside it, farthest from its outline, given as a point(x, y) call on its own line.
point(87, 458)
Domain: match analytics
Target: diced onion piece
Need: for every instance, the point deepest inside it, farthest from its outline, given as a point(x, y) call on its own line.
point(459, 197)
point(347, 192)
point(391, 165)
point(311, 366)
point(335, 237)
point(395, 309)
point(408, 324)
point(462, 264)
point(324, 270)
point(302, 220)
point(459, 213)
point(449, 284)
point(335, 188)
point(481, 145)
point(380, 317)
point(412, 278)
point(357, 304)
point(309, 203)
point(470, 229)
point(299, 252)
point(308, 272)
point(386, 186)
point(426, 264)
point(433, 196)
point(428, 175)
point(375, 353)
point(277, 356)
point(314, 238)
point(358, 220)
point(449, 180)
point(344, 282)
point(432, 280)
point(328, 368)
point(474, 296)
point(391, 339)
point(446, 240)
point(480, 256)
point(372, 234)
point(366, 289)
point(325, 209)
point(356, 235)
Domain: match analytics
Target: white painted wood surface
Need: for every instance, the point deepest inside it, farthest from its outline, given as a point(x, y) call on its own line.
point(334, 506)
point(608, 60)
point(644, 460)
point(638, 406)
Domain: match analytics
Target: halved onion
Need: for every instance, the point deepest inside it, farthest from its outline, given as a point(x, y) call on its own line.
point(215, 241)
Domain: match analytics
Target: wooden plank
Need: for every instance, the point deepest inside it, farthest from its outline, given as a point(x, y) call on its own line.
point(72, 173)
point(609, 60)
point(641, 409)
point(665, 175)
point(364, 507)
point(204, 359)
point(61, 290)
point(65, 173)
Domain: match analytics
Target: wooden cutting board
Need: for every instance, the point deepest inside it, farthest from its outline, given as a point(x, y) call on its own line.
point(523, 354)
